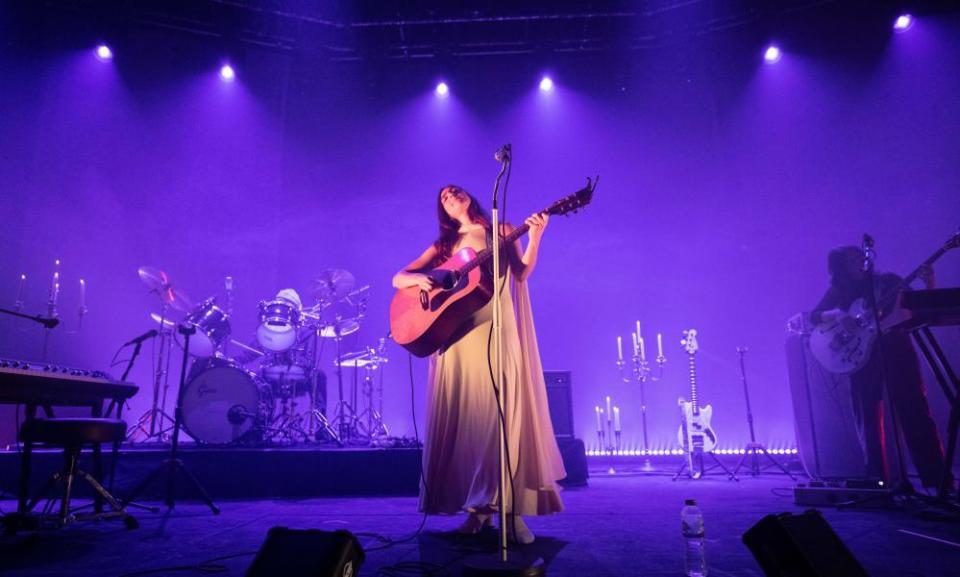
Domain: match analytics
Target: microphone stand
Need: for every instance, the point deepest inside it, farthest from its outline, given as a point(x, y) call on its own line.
point(173, 464)
point(500, 565)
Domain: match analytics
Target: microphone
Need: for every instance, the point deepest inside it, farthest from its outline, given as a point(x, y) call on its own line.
point(147, 335)
point(49, 323)
point(503, 154)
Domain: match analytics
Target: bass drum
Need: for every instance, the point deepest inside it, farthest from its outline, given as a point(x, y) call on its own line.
point(223, 403)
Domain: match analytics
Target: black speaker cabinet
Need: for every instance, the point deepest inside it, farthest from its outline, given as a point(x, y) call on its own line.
point(560, 400)
point(800, 546)
point(307, 553)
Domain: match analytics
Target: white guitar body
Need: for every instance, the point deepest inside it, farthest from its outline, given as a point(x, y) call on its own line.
point(695, 432)
point(843, 346)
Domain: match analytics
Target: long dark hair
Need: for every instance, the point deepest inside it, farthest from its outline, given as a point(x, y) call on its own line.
point(450, 228)
point(837, 265)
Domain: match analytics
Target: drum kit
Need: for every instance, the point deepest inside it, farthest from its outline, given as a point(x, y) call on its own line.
point(271, 390)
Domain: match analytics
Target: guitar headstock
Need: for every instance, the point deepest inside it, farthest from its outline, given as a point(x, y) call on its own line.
point(575, 201)
point(689, 341)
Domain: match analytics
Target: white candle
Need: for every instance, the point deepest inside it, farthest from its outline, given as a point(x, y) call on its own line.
point(83, 294)
point(659, 345)
point(599, 422)
point(609, 412)
point(56, 287)
point(619, 349)
point(643, 351)
point(23, 279)
point(639, 334)
point(616, 419)
point(635, 349)
point(55, 279)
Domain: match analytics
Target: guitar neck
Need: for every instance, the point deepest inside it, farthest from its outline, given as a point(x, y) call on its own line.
point(485, 255)
point(888, 297)
point(693, 383)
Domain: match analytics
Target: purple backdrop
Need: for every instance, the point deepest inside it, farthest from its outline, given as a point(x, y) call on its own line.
point(724, 183)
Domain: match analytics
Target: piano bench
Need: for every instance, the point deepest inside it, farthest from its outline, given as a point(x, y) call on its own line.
point(72, 435)
point(73, 432)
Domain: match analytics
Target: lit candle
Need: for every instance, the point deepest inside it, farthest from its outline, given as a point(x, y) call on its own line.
point(56, 278)
point(619, 349)
point(643, 350)
point(56, 287)
point(83, 294)
point(659, 345)
point(609, 412)
point(616, 419)
point(599, 421)
point(639, 334)
point(23, 279)
point(635, 349)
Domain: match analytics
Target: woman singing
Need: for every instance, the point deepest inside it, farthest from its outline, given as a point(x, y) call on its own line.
point(461, 451)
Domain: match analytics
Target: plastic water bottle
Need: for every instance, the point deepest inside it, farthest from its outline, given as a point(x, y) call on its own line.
point(691, 525)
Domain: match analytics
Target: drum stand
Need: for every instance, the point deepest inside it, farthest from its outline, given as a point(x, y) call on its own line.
point(157, 416)
point(348, 423)
point(373, 413)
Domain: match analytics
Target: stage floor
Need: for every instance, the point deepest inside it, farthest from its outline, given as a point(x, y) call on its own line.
point(618, 525)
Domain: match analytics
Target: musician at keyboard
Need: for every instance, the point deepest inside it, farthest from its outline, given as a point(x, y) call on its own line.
point(836, 312)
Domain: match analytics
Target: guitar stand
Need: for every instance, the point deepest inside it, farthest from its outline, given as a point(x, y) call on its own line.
point(718, 464)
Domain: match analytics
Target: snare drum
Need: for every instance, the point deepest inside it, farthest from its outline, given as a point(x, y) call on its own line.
point(222, 402)
point(279, 322)
point(213, 328)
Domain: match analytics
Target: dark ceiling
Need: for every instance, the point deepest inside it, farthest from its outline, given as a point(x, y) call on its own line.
point(396, 29)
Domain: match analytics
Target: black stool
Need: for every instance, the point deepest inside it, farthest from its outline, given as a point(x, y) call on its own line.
point(73, 435)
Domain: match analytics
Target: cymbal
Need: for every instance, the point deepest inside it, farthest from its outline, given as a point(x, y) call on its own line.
point(176, 299)
point(154, 278)
point(333, 284)
point(159, 282)
point(167, 323)
point(360, 359)
point(344, 328)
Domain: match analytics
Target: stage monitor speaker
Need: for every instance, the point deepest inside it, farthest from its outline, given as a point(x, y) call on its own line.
point(307, 553)
point(560, 400)
point(800, 545)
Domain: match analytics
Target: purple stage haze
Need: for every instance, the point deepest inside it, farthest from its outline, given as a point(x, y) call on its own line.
point(724, 182)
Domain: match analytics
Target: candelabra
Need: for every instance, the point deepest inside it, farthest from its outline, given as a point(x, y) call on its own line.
point(639, 371)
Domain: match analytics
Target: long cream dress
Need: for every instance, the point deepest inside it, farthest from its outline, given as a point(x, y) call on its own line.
point(461, 450)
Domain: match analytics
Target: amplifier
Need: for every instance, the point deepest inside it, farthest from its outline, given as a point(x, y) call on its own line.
point(560, 400)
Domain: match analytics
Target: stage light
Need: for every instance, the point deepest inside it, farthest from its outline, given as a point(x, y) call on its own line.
point(772, 54)
point(227, 73)
point(442, 89)
point(104, 53)
point(546, 85)
point(903, 23)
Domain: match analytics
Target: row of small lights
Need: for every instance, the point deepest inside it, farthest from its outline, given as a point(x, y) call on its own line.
point(665, 452)
point(771, 55)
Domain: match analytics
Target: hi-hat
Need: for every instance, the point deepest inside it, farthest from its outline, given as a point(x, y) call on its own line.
point(332, 284)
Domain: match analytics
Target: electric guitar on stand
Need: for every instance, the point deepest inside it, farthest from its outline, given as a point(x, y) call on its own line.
point(695, 435)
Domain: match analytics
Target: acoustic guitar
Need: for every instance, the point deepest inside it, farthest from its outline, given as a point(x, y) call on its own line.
point(424, 321)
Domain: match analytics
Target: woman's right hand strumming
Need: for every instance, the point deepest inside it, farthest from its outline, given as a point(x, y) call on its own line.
point(411, 279)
